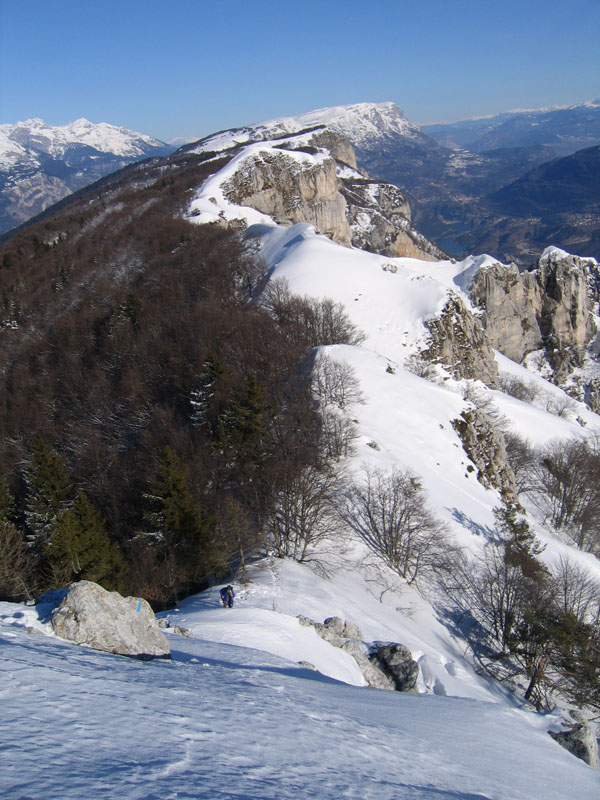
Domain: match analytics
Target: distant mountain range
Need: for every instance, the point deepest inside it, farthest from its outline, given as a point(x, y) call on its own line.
point(564, 129)
point(40, 164)
point(508, 184)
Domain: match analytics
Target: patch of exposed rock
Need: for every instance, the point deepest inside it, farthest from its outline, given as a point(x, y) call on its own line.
point(384, 665)
point(485, 446)
point(396, 662)
point(165, 625)
point(552, 308)
point(290, 189)
point(379, 216)
point(458, 342)
point(85, 613)
point(581, 741)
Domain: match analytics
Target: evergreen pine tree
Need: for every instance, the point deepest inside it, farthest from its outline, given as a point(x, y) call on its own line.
point(201, 398)
point(49, 491)
point(80, 549)
point(176, 522)
point(244, 424)
point(521, 547)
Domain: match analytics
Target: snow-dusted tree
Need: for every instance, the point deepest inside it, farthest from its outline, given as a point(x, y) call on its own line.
point(202, 395)
point(49, 491)
point(389, 512)
point(335, 383)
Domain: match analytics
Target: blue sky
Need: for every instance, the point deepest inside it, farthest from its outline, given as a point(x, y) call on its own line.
point(186, 68)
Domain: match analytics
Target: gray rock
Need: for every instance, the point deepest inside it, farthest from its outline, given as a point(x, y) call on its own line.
point(552, 308)
point(374, 676)
point(459, 342)
point(164, 624)
point(307, 665)
point(334, 625)
point(277, 184)
point(351, 631)
point(396, 662)
point(379, 216)
point(307, 622)
point(580, 741)
point(484, 443)
point(88, 614)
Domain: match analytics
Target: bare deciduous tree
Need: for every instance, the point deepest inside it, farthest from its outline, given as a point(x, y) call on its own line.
point(305, 512)
point(389, 512)
point(335, 383)
point(15, 563)
point(566, 488)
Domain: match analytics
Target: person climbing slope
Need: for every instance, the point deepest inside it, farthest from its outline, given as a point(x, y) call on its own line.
point(227, 595)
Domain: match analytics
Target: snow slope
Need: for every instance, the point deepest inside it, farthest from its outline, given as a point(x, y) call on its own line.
point(220, 721)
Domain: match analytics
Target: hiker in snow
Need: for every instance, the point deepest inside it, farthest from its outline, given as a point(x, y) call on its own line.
point(227, 595)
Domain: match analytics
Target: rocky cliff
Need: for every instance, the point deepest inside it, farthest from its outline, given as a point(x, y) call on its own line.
point(553, 308)
point(313, 178)
point(458, 342)
point(291, 189)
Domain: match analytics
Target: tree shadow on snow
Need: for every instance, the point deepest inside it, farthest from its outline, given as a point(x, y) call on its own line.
point(490, 534)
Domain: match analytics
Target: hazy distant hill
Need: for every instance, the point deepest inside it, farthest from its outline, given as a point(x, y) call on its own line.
point(564, 129)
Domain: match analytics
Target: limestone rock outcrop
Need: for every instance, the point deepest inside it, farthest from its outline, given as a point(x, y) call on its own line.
point(384, 665)
point(396, 662)
point(85, 613)
point(459, 342)
point(291, 189)
point(484, 443)
point(552, 308)
point(379, 216)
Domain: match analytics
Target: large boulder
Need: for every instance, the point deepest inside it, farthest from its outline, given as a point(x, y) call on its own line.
point(396, 662)
point(85, 613)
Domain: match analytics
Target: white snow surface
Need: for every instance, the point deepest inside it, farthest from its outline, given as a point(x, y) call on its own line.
point(222, 720)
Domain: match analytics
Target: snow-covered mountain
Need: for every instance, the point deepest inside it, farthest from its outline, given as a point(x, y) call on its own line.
point(234, 713)
point(40, 164)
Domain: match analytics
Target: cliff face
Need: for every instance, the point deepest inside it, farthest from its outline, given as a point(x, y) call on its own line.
point(315, 180)
point(290, 189)
point(552, 308)
point(380, 220)
point(458, 341)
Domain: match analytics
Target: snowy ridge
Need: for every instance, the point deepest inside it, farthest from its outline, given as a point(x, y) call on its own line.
point(359, 123)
